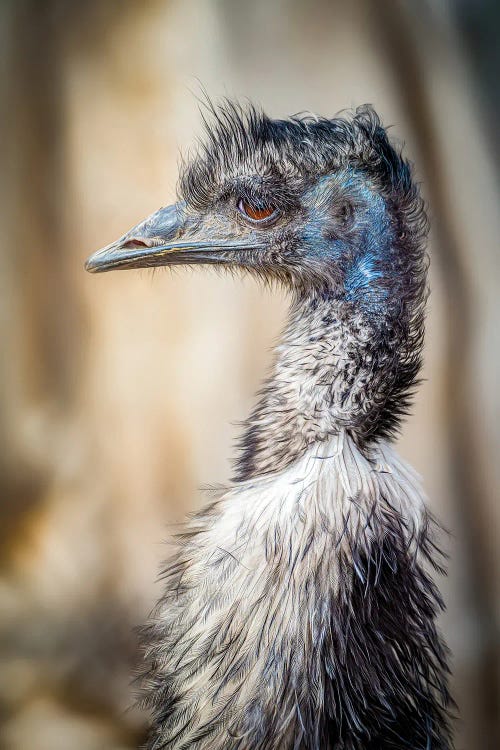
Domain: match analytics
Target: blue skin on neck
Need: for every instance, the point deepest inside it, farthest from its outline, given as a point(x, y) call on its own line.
point(360, 251)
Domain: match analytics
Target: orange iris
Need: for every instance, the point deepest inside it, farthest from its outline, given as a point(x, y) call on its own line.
point(257, 214)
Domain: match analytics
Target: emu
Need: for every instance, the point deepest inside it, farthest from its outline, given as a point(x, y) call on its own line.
point(299, 608)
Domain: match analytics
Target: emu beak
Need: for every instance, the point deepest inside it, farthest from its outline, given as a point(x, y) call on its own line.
point(167, 237)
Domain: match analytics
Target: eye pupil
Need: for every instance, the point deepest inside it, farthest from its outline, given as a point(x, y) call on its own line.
point(254, 212)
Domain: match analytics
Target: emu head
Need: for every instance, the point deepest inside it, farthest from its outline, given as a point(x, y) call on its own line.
point(327, 207)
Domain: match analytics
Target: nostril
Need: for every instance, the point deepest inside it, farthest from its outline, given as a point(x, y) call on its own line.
point(134, 242)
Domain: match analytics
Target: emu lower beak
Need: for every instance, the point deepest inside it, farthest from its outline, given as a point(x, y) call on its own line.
point(167, 237)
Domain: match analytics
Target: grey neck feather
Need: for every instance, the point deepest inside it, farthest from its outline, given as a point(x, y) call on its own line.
point(336, 368)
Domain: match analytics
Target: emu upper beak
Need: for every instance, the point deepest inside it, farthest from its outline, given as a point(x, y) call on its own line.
point(167, 237)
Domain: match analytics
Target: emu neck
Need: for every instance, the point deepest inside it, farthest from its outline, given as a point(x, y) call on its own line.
point(336, 368)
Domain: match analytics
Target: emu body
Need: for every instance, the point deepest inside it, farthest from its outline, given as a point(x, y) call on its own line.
point(299, 610)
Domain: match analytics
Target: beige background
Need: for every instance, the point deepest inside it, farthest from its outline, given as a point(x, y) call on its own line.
point(120, 393)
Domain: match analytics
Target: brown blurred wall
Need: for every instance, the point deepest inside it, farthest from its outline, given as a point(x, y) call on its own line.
point(119, 393)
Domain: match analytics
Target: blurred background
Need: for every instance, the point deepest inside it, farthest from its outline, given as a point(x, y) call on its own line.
point(120, 393)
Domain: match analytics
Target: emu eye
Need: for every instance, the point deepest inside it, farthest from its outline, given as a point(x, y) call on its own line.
point(255, 213)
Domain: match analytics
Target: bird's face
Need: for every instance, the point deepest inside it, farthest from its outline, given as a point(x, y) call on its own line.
point(276, 203)
point(333, 230)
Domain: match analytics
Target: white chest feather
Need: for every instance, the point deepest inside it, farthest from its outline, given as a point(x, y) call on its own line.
point(243, 587)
